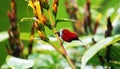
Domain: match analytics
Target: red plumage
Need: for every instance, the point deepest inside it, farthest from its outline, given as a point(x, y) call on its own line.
point(68, 36)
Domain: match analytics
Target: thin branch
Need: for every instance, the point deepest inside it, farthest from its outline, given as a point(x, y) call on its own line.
point(58, 38)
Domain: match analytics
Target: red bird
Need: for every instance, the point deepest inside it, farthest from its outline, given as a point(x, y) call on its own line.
point(68, 36)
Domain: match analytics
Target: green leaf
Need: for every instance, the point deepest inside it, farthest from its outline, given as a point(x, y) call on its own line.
point(3, 36)
point(97, 47)
point(25, 36)
point(5, 66)
point(18, 63)
point(28, 18)
point(65, 20)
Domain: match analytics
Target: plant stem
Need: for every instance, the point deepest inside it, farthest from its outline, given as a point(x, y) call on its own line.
point(108, 33)
point(14, 33)
point(54, 29)
point(30, 46)
point(70, 62)
point(60, 51)
point(51, 20)
point(64, 53)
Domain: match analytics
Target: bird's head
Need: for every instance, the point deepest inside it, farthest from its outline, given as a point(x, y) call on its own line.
point(63, 32)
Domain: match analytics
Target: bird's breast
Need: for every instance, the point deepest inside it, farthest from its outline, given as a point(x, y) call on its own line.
point(69, 37)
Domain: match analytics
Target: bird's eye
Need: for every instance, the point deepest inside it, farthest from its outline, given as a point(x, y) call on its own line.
point(58, 33)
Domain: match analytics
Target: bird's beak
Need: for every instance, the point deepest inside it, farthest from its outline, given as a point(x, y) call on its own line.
point(58, 33)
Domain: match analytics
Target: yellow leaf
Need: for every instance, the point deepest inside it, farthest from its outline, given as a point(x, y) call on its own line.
point(42, 36)
point(35, 5)
point(38, 9)
point(30, 4)
point(99, 17)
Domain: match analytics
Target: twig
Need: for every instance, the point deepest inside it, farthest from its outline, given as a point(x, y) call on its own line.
point(31, 39)
point(87, 17)
point(97, 23)
point(54, 29)
point(108, 33)
point(65, 53)
point(70, 62)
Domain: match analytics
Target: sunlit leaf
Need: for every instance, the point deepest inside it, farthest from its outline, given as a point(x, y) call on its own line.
point(27, 18)
point(5, 66)
point(97, 47)
point(3, 36)
point(65, 20)
point(35, 5)
point(18, 63)
point(23, 36)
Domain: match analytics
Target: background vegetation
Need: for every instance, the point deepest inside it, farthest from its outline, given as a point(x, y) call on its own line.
point(45, 56)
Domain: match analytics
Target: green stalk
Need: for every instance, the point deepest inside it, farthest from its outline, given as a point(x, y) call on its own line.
point(56, 35)
point(70, 62)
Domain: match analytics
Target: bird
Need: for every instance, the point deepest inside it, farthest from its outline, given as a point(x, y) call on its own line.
point(67, 35)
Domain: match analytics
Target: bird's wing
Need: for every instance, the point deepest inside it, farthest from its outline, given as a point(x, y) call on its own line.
point(67, 37)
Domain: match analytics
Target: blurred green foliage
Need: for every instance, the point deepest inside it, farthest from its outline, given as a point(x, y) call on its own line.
point(100, 6)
